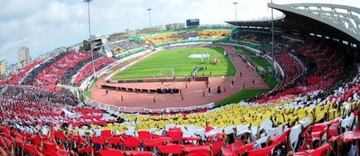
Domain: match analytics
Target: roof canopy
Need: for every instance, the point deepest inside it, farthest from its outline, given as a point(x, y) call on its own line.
point(337, 21)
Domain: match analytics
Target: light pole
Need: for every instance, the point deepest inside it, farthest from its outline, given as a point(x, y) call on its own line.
point(91, 45)
point(88, 5)
point(272, 35)
point(149, 11)
point(235, 4)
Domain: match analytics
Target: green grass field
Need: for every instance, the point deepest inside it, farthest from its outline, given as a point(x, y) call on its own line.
point(176, 62)
point(259, 61)
point(246, 94)
point(243, 94)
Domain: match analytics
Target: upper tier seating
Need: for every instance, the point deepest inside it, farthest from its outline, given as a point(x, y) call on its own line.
point(88, 69)
point(51, 75)
point(182, 36)
point(124, 45)
point(16, 79)
point(322, 76)
point(314, 132)
point(291, 67)
point(39, 121)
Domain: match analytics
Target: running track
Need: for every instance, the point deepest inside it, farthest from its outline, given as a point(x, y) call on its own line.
point(193, 94)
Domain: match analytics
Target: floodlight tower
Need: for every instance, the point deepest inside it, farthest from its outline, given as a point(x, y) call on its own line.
point(149, 11)
point(90, 38)
point(235, 4)
point(272, 35)
point(272, 28)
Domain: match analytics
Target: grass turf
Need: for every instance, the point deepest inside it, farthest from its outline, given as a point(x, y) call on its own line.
point(246, 94)
point(270, 79)
point(176, 62)
point(243, 94)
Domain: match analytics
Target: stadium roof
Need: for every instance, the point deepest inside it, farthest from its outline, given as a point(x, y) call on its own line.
point(336, 21)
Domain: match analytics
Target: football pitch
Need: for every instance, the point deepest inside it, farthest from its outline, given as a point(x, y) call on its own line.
point(178, 63)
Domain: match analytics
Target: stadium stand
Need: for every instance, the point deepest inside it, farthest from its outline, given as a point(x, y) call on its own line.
point(213, 34)
point(87, 70)
point(163, 38)
point(313, 111)
point(31, 76)
point(257, 130)
point(305, 123)
point(235, 129)
point(16, 79)
point(124, 45)
point(172, 37)
point(51, 75)
point(292, 68)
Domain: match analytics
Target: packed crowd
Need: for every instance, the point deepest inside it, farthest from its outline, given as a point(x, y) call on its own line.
point(17, 78)
point(124, 45)
point(67, 76)
point(87, 70)
point(30, 77)
point(322, 54)
point(312, 117)
point(261, 40)
point(164, 38)
point(291, 67)
point(318, 77)
point(48, 78)
point(297, 125)
point(300, 126)
point(213, 34)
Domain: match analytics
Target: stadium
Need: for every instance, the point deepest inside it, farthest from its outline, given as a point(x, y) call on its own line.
point(282, 86)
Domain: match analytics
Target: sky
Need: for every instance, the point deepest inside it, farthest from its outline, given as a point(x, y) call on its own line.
point(44, 25)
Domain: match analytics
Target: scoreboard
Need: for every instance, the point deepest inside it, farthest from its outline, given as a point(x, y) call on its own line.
point(192, 22)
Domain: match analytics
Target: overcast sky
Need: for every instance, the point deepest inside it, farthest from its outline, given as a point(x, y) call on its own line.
point(43, 25)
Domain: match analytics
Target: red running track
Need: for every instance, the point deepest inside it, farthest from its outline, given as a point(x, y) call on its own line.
point(193, 95)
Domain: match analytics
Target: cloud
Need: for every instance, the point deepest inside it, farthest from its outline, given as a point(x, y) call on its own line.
point(49, 22)
point(43, 25)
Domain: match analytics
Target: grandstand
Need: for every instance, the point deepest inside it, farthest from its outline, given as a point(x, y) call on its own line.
point(58, 105)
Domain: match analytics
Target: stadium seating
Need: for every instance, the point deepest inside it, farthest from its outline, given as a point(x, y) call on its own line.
point(225, 118)
point(124, 45)
point(51, 75)
point(88, 69)
point(213, 34)
point(15, 79)
point(317, 78)
point(292, 68)
point(165, 38)
point(322, 54)
point(301, 117)
point(270, 136)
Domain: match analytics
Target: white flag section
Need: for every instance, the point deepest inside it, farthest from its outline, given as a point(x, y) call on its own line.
point(229, 129)
point(130, 131)
point(262, 140)
point(305, 122)
point(214, 131)
point(266, 125)
point(68, 113)
point(294, 135)
point(276, 131)
point(242, 129)
point(347, 122)
point(97, 132)
point(193, 131)
point(168, 126)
